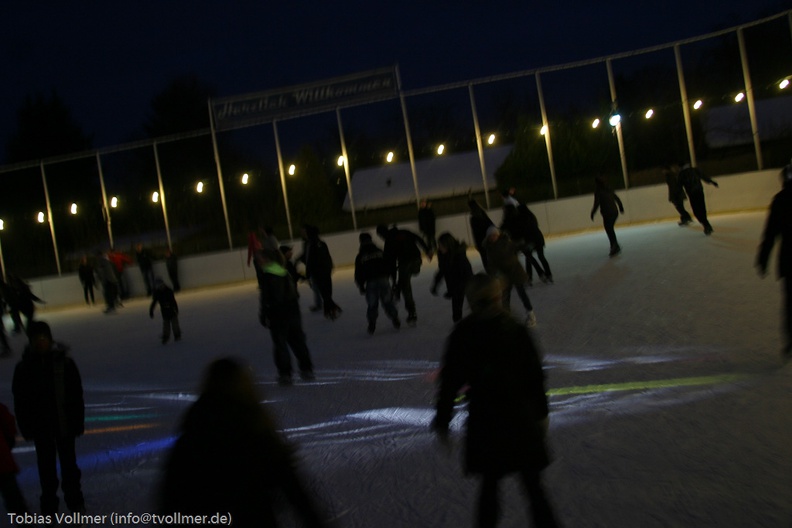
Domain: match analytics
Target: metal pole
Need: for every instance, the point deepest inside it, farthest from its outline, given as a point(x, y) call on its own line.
point(49, 217)
point(219, 175)
point(749, 95)
point(346, 168)
point(685, 105)
point(282, 178)
point(619, 137)
point(162, 196)
point(409, 140)
point(479, 144)
point(105, 206)
point(2, 262)
point(548, 143)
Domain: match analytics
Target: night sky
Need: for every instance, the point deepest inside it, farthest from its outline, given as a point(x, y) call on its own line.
point(106, 60)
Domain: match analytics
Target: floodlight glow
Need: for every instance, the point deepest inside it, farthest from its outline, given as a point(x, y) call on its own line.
point(389, 157)
point(739, 97)
point(199, 187)
point(340, 161)
point(595, 123)
point(698, 104)
point(245, 178)
point(440, 149)
point(2, 225)
point(73, 209)
point(783, 84)
point(40, 218)
point(649, 113)
point(155, 197)
point(113, 202)
point(614, 120)
point(292, 170)
point(543, 130)
point(491, 139)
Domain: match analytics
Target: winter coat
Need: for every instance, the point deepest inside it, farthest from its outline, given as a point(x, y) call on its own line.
point(144, 259)
point(370, 264)
point(119, 260)
point(48, 394)
point(106, 271)
point(277, 295)
point(426, 220)
point(167, 301)
point(502, 260)
point(402, 247)
point(8, 432)
point(496, 357)
point(479, 223)
point(779, 222)
point(229, 458)
point(608, 203)
point(675, 191)
point(318, 262)
point(454, 267)
point(86, 274)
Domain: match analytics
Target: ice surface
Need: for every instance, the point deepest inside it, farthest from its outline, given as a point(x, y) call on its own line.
point(669, 405)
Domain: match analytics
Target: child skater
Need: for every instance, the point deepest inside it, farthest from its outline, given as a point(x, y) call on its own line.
point(170, 310)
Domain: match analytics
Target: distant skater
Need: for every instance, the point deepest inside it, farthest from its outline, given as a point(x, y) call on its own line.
point(479, 223)
point(690, 178)
point(779, 224)
point(610, 206)
point(163, 296)
point(676, 194)
point(504, 265)
point(372, 277)
point(454, 267)
point(403, 254)
point(87, 279)
point(507, 421)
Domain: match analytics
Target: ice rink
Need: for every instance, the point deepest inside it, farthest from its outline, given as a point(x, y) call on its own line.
point(670, 406)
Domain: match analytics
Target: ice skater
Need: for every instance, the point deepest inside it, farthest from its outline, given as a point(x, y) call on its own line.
point(403, 254)
point(610, 206)
point(676, 194)
point(779, 224)
point(87, 279)
point(507, 406)
point(372, 275)
point(453, 266)
point(505, 266)
point(690, 178)
point(163, 296)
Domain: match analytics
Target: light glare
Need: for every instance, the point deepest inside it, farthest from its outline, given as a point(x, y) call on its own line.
point(595, 123)
point(73, 209)
point(40, 218)
point(784, 84)
point(389, 157)
point(113, 202)
point(739, 97)
point(491, 139)
point(440, 149)
point(292, 170)
point(698, 104)
point(245, 178)
point(199, 187)
point(340, 161)
point(155, 197)
point(614, 120)
point(2, 225)
point(649, 113)
point(543, 130)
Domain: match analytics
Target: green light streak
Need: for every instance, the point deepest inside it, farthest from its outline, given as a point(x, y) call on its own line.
point(119, 417)
point(643, 385)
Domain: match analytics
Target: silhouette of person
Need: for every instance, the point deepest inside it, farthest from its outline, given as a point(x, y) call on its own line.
point(507, 422)
point(610, 206)
point(229, 456)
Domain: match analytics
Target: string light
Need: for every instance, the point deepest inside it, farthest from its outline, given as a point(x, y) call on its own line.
point(649, 113)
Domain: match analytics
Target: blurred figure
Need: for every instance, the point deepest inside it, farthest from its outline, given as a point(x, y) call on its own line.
point(24, 299)
point(172, 265)
point(479, 223)
point(505, 266)
point(87, 279)
point(372, 279)
point(523, 228)
point(49, 407)
point(146, 265)
point(279, 311)
point(403, 256)
point(163, 296)
point(254, 248)
point(108, 278)
point(288, 255)
point(319, 270)
point(230, 458)
point(453, 266)
point(690, 178)
point(317, 306)
point(676, 194)
point(609, 205)
point(779, 224)
point(507, 411)
point(120, 262)
point(9, 488)
point(6, 352)
point(427, 224)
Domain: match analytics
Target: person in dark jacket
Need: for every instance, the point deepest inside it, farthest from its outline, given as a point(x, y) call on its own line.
point(230, 458)
point(479, 223)
point(163, 296)
point(146, 265)
point(779, 224)
point(372, 276)
point(427, 224)
point(690, 178)
point(319, 270)
point(49, 408)
point(609, 205)
point(505, 266)
point(523, 228)
point(9, 488)
point(86, 274)
point(453, 266)
point(403, 255)
point(108, 278)
point(507, 422)
point(172, 266)
point(280, 312)
point(676, 194)
point(24, 299)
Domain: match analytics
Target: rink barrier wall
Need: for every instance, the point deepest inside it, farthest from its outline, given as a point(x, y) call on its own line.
point(738, 192)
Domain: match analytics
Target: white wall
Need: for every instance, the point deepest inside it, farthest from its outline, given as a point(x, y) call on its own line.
point(737, 192)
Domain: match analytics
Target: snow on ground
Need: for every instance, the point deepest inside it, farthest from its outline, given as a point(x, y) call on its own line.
point(669, 404)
